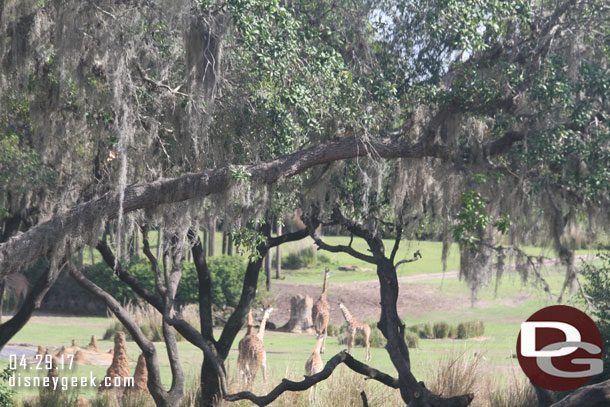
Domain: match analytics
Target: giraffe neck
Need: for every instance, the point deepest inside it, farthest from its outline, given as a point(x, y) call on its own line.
point(325, 286)
point(250, 320)
point(318, 344)
point(346, 314)
point(261, 329)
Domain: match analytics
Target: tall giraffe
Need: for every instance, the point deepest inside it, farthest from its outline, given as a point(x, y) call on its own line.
point(320, 312)
point(252, 351)
point(356, 327)
point(314, 365)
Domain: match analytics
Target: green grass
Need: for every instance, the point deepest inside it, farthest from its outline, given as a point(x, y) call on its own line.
point(288, 352)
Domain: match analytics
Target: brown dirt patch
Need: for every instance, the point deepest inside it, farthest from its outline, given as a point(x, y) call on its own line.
point(362, 298)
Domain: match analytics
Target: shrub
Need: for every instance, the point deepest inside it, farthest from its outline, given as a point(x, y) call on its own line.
point(441, 330)
point(425, 331)
point(226, 272)
point(452, 332)
point(376, 339)
point(470, 329)
point(7, 394)
point(411, 340)
point(333, 330)
point(297, 260)
point(150, 322)
point(597, 287)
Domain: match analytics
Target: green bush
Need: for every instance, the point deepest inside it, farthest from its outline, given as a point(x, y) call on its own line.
point(7, 394)
point(376, 338)
point(333, 330)
point(452, 332)
point(411, 340)
point(425, 331)
point(297, 260)
point(441, 330)
point(226, 273)
point(470, 329)
point(597, 287)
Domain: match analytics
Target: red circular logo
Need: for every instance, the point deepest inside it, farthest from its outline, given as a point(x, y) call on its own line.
point(560, 348)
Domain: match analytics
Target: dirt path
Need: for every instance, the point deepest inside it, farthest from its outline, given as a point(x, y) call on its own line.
point(362, 297)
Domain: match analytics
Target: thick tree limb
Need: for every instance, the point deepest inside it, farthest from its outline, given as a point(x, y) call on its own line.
point(40, 240)
point(161, 397)
point(150, 297)
point(416, 256)
point(31, 303)
point(341, 249)
point(596, 395)
point(309, 381)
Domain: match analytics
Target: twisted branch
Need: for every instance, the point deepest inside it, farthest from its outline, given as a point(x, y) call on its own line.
point(309, 381)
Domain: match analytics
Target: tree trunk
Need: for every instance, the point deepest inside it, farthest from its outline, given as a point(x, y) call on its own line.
point(278, 254)
point(212, 238)
point(30, 304)
point(79, 259)
point(210, 387)
point(300, 315)
point(2, 287)
point(136, 239)
point(159, 237)
point(268, 271)
point(230, 245)
point(204, 242)
point(224, 243)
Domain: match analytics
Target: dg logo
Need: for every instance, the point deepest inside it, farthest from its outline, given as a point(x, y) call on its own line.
point(560, 348)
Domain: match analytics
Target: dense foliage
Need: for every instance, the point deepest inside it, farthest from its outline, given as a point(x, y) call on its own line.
point(597, 289)
point(227, 275)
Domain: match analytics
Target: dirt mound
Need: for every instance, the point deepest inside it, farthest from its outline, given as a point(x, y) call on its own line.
point(120, 365)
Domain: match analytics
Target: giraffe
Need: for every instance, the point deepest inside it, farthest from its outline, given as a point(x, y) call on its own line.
point(252, 353)
point(314, 365)
point(320, 312)
point(356, 327)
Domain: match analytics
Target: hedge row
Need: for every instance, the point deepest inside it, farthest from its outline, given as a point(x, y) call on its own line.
point(440, 330)
point(66, 295)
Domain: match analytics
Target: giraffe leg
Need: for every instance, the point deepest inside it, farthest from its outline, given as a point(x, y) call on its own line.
point(264, 366)
point(368, 347)
point(324, 340)
point(350, 341)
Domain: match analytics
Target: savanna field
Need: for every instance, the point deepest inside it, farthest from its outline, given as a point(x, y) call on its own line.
point(484, 364)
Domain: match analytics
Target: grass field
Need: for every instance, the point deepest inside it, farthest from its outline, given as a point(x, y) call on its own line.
point(287, 353)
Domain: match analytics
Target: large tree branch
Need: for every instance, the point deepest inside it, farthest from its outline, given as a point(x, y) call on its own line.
point(41, 239)
point(248, 292)
point(30, 304)
point(124, 276)
point(205, 285)
point(309, 381)
point(596, 395)
point(162, 397)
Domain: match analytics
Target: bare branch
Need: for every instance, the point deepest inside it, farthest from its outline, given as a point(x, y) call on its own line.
point(341, 248)
point(596, 395)
point(124, 276)
point(309, 381)
point(416, 256)
point(155, 385)
point(365, 401)
point(396, 243)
